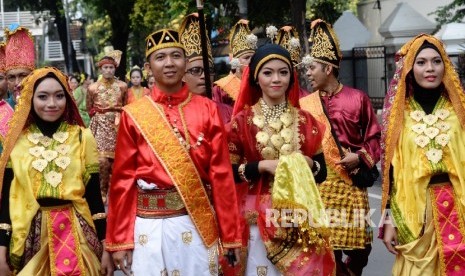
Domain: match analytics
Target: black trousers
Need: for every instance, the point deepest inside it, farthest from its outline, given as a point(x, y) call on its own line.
point(356, 260)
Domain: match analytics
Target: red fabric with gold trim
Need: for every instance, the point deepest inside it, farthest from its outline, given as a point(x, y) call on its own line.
point(450, 230)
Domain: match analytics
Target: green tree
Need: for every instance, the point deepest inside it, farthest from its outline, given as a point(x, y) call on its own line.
point(453, 12)
point(329, 10)
point(119, 12)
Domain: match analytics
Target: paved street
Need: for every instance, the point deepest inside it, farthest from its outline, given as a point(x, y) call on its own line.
point(381, 260)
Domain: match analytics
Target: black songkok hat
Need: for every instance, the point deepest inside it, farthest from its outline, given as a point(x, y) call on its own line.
point(164, 38)
point(324, 43)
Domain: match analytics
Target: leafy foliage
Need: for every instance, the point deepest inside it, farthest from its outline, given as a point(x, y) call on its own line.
point(453, 12)
point(329, 10)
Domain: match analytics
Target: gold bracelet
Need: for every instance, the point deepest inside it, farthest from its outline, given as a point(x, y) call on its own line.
point(99, 216)
point(241, 172)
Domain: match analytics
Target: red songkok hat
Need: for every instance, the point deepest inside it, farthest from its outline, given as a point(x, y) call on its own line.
point(19, 49)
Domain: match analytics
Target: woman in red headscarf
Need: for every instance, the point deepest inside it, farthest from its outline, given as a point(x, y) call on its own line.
point(277, 161)
point(52, 218)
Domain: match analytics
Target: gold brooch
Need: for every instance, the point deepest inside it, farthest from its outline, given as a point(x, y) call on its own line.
point(143, 240)
point(262, 270)
point(187, 237)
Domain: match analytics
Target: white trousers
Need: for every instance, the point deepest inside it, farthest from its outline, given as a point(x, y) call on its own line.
point(171, 246)
point(257, 262)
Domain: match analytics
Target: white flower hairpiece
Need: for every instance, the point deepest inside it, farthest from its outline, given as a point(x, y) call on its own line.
point(294, 43)
point(271, 32)
point(252, 41)
point(306, 60)
point(235, 63)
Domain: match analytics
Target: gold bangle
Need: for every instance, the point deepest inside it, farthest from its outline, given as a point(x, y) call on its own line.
point(99, 216)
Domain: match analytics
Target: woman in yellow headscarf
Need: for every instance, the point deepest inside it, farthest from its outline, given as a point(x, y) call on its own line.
point(52, 218)
point(423, 162)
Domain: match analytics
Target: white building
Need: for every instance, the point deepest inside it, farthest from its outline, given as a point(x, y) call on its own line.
point(47, 43)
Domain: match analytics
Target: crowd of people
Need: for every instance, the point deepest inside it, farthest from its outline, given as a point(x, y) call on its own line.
point(264, 178)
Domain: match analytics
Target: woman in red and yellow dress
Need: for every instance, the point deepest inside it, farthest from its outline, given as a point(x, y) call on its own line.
point(423, 162)
point(52, 218)
point(136, 91)
point(277, 161)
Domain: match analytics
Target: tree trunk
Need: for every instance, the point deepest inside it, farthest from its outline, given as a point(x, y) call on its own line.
point(119, 12)
point(119, 40)
point(60, 20)
point(298, 9)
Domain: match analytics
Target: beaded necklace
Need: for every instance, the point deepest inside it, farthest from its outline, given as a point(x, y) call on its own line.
point(185, 141)
point(274, 112)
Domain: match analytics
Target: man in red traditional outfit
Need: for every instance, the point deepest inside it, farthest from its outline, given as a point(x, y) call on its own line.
point(172, 192)
point(189, 36)
point(20, 58)
point(242, 45)
point(352, 123)
point(17, 61)
point(105, 100)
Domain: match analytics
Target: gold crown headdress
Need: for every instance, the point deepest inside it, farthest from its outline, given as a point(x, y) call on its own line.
point(325, 44)
point(164, 38)
point(111, 57)
point(189, 36)
point(116, 55)
point(241, 39)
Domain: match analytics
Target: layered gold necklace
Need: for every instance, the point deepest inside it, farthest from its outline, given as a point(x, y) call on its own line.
point(277, 129)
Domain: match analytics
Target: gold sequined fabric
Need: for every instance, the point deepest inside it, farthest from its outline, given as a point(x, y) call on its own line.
point(346, 206)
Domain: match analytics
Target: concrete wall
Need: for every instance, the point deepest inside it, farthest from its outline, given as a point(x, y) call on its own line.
point(373, 18)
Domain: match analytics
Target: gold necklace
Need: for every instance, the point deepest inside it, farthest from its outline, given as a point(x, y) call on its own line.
point(185, 141)
point(274, 112)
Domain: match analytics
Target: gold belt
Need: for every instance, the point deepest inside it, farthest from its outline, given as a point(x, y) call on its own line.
point(159, 203)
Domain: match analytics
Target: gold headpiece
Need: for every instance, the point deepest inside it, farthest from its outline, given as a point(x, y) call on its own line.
point(189, 36)
point(241, 39)
point(116, 55)
point(288, 37)
point(325, 44)
point(160, 39)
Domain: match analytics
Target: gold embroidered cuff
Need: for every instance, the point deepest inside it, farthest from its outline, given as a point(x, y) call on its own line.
point(118, 246)
point(99, 216)
point(235, 244)
point(6, 227)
